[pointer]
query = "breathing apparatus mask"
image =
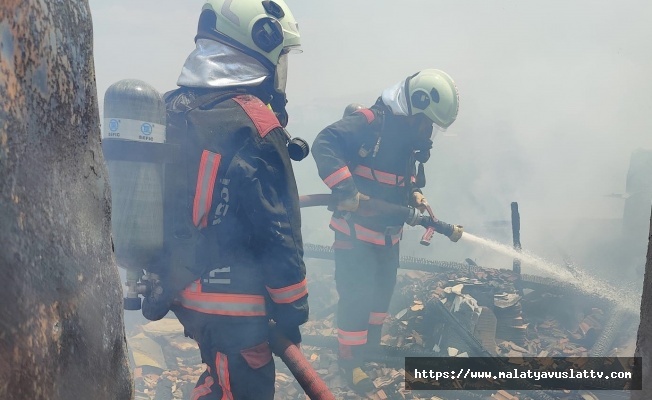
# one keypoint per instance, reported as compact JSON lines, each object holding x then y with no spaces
{"x":298,"y":148}
{"x":421,"y":133}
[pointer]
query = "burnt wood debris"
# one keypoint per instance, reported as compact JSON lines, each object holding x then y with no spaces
{"x":434,"y":312}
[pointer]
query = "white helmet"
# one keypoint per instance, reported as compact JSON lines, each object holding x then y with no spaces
{"x":432,"y":92}
{"x":264,"y":29}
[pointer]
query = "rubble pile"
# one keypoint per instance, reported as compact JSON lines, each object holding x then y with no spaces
{"x":493,"y":314}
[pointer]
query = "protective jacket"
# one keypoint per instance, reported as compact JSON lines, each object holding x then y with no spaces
{"x":367,"y":152}
{"x":241,"y":196}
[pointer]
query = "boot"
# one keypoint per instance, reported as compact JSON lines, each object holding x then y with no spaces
{"x":351,"y":365}
{"x":373,"y":339}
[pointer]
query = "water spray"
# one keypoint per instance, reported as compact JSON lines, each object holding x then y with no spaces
{"x":580,"y":279}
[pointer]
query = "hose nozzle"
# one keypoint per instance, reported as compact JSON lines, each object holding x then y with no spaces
{"x":458,"y":230}
{"x":432,"y":225}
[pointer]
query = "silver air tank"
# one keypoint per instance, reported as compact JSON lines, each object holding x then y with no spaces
{"x":133,"y":142}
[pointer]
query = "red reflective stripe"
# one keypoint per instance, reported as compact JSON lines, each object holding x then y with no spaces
{"x":361,"y":233}
{"x":203,"y":389}
{"x":337,"y":177}
{"x":208,"y":166}
{"x":262,"y":117}
{"x":377,"y":318}
{"x":340,"y":225}
{"x":290,"y":293}
{"x":413,"y":179}
{"x":351,"y":338}
{"x":240,"y":305}
{"x":379,"y":176}
{"x":367,"y":235}
{"x":222,"y":366}
{"x":367,"y":113}
{"x":363,"y":171}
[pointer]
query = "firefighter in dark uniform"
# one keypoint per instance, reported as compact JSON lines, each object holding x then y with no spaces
{"x":373,"y":152}
{"x":241,"y":194}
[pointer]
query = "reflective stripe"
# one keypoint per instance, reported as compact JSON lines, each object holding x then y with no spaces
{"x":208,"y":166}
{"x":222,"y":366}
{"x":221,"y":281}
{"x":364,"y":234}
{"x":337,"y":177}
{"x":242,"y":305}
{"x":288,"y":294}
{"x":352,"y":338}
{"x":367,"y":114}
{"x":340,"y":225}
{"x":379,"y":176}
{"x":369,"y":236}
{"x":377,"y":318}
{"x":203,"y":389}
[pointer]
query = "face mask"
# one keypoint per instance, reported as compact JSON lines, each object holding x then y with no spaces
{"x":281,"y":74}
{"x":421,"y":131}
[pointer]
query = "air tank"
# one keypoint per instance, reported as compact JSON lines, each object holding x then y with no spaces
{"x":134,"y":146}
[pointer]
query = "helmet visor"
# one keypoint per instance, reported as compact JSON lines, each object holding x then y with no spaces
{"x":437,"y":129}
{"x":281,"y":74}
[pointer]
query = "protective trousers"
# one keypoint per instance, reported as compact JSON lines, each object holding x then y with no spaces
{"x":365,"y":276}
{"x":239,"y":362}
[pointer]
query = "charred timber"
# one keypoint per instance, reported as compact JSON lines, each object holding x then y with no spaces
{"x":62,"y":329}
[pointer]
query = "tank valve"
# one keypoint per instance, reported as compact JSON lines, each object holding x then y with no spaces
{"x":136,"y":286}
{"x":298,"y":148}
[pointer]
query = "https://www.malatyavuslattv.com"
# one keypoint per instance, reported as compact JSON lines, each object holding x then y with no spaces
{"x":606,"y":373}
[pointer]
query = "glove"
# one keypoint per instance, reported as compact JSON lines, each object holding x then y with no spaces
{"x":457,"y":233}
{"x":352,"y":203}
{"x":158,"y":299}
{"x":156,"y":305}
{"x":291,"y":332}
{"x":419,"y":201}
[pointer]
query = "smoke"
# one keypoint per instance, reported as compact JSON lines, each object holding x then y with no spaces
{"x":554,"y":100}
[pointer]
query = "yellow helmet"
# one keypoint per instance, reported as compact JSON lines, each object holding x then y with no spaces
{"x":432,"y":92}
{"x":262,"y":29}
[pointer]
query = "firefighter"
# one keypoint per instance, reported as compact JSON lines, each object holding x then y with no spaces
{"x":373,"y":152}
{"x":241,"y":194}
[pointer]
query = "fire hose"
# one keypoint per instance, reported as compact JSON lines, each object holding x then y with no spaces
{"x":410,"y":215}
{"x":304,"y":373}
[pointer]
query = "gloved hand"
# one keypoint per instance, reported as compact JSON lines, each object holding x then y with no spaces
{"x":292,"y":333}
{"x":352,"y":203}
{"x":457,"y":233}
{"x":156,"y":305}
{"x":419,"y":201}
